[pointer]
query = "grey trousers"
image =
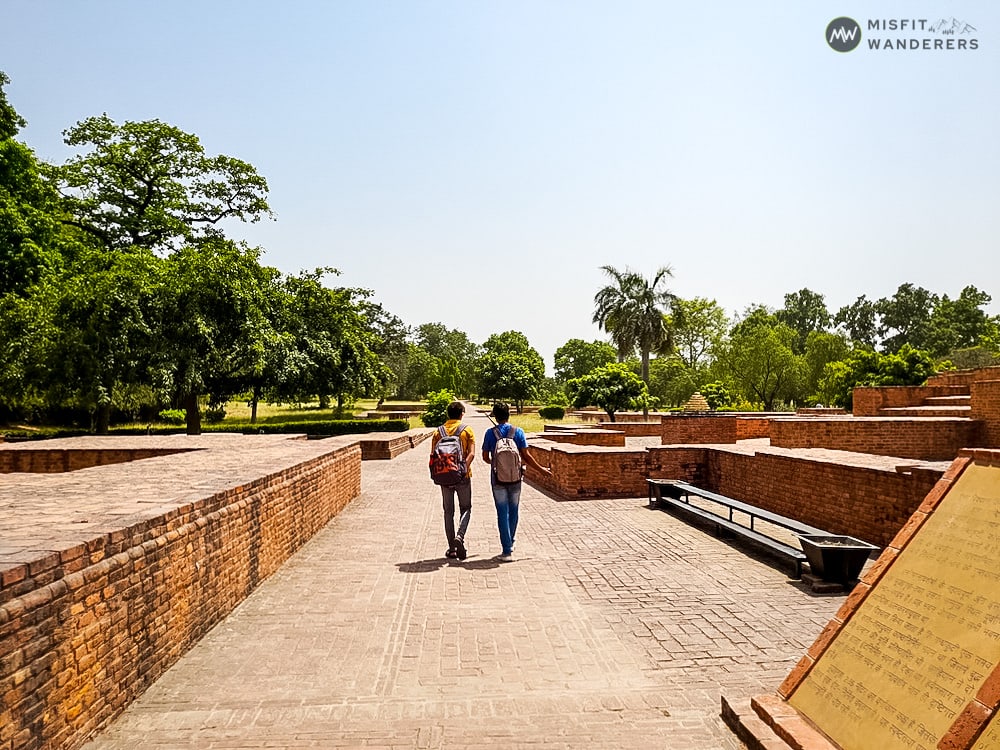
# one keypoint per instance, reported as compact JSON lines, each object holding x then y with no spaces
{"x":464,"y":492}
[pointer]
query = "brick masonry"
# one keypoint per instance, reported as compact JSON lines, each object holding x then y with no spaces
{"x":928,"y":439}
{"x":90,"y":616}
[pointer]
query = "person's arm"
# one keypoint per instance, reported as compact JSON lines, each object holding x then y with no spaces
{"x":526,"y":456}
{"x":469,"y":448}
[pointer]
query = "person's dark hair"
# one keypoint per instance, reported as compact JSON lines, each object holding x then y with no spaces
{"x":501,"y":412}
{"x":455,"y":410}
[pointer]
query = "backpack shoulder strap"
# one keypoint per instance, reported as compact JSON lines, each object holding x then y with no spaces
{"x":442,"y":431}
{"x":460,"y":430}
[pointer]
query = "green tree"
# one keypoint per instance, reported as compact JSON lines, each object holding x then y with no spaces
{"x":391,"y":343}
{"x":698,"y":326}
{"x":960,"y":323}
{"x":29,"y":226}
{"x":864,"y":367}
{"x":577,"y":357}
{"x":860,"y":320}
{"x":804,"y":312}
{"x":907,"y":317}
{"x":671,"y":380}
{"x":100,"y":328}
{"x":613,"y":388}
{"x":822,"y":348}
{"x":211,"y":312}
{"x":456,"y":356}
{"x":633,"y":310}
{"x":760,"y":360}
{"x":151,"y":185}
{"x":510,"y":368}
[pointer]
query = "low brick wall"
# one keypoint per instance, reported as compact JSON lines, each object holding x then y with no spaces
{"x":684,"y":429}
{"x":748,"y":428}
{"x":35,"y":458}
{"x":986,"y":409}
{"x":868,"y":401}
{"x":931,"y":439}
{"x":387,"y":445}
{"x":589,"y":472}
{"x":585,"y":436}
{"x":861,"y":501}
{"x":85,"y":629}
{"x":634,"y":429}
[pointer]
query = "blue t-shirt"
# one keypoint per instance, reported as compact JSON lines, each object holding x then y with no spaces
{"x":490,"y":438}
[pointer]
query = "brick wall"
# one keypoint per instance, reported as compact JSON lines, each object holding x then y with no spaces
{"x":869,"y":400}
{"x":863,"y":502}
{"x":21,"y":458}
{"x":753,"y":427}
{"x":681,"y":429}
{"x":986,"y":408}
{"x":84,"y":631}
{"x":377,"y":446}
{"x":580,"y":472}
{"x":858,"y":500}
{"x":609,"y":438}
{"x":634,"y":429}
{"x":937,"y":439}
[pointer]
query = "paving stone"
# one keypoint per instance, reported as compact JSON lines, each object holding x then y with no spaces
{"x":616,"y":626}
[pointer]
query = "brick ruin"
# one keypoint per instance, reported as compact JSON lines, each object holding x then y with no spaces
{"x":102,"y":534}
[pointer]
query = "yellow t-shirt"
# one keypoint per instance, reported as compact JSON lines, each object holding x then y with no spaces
{"x":467,"y":438}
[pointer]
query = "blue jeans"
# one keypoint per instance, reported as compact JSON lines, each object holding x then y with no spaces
{"x":507,"y":497}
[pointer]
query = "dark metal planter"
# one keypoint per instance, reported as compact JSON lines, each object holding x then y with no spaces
{"x":838,"y":559}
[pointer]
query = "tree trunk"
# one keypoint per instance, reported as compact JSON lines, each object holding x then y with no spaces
{"x":324,"y":401}
{"x":193,"y":415}
{"x":611,"y":416}
{"x":103,"y":418}
{"x":254,"y":398}
{"x":645,"y":379}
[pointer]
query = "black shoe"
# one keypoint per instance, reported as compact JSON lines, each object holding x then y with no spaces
{"x":451,"y":554}
{"x":460,"y":549}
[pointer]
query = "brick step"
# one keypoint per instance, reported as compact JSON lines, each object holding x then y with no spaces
{"x":948,"y":400}
{"x":926,"y":411}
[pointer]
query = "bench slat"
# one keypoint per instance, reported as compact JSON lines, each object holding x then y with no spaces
{"x":751,"y":510}
{"x":796,"y":556}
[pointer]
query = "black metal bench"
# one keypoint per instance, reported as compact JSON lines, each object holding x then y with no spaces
{"x":674,"y":495}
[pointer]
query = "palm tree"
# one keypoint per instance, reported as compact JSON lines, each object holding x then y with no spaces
{"x":632,"y":311}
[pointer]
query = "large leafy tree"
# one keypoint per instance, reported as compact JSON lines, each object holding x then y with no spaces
{"x":577,"y":357}
{"x":804,"y":312}
{"x":613,"y":388}
{"x":906,"y":317}
{"x":455,"y":354}
{"x":29,"y":226}
{"x":859,"y":321}
{"x":822,"y":348}
{"x":632,"y":309}
{"x":390,"y":343}
{"x":510,"y":368}
{"x":212,"y":307}
{"x":98,"y":328}
{"x":334,"y":344}
{"x":864,"y":367}
{"x":959,"y":323}
{"x":151,"y":185}
{"x":698,"y":326}
{"x":760,"y":360}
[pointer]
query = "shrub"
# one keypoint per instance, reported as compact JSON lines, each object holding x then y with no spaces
{"x":173,"y":416}
{"x":437,"y":408}
{"x":215,"y":416}
{"x":552,"y":411}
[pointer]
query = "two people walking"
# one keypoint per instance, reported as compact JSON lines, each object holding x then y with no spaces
{"x":505,"y":450}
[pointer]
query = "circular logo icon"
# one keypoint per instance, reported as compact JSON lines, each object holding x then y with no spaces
{"x":843,"y":34}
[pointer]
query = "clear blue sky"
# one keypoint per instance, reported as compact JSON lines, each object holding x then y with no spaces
{"x":475,"y":163}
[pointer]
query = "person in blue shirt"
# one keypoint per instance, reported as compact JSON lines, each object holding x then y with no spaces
{"x":507,"y":495}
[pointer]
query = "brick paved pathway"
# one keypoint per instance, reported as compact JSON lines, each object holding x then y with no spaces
{"x":616,"y":626}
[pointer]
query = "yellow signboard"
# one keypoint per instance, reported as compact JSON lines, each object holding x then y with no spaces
{"x":922,"y":643}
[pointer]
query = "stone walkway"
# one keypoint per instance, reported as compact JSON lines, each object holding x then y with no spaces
{"x":616,"y":626}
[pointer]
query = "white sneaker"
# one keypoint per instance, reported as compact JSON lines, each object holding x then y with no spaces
{"x":504,"y":558}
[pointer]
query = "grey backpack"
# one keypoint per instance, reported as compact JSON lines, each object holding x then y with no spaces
{"x":507,"y":467}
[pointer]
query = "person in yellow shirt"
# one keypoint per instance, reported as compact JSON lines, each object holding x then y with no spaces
{"x":462,"y":490}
